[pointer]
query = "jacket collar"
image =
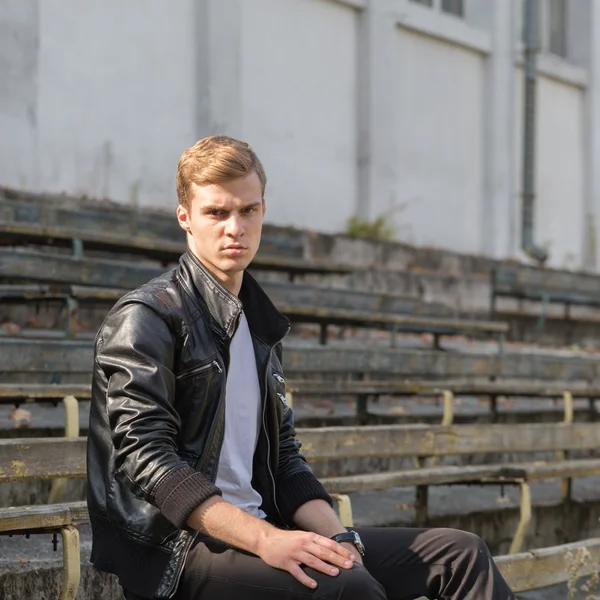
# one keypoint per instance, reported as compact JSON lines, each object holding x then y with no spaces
{"x":264,"y":320}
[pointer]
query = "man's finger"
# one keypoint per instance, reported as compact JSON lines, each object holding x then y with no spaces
{"x":331,"y":556}
{"x":310,"y":560}
{"x":323,"y":541}
{"x":335,"y":547}
{"x":302,"y":577}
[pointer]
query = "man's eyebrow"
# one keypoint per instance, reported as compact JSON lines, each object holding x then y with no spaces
{"x":210,"y":207}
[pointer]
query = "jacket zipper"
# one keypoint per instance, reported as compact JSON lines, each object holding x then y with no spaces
{"x":211,"y":433}
{"x":281,"y":380}
{"x":200,"y":369}
{"x":268,"y":440}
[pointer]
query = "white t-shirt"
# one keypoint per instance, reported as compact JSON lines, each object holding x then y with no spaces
{"x":242,"y":424}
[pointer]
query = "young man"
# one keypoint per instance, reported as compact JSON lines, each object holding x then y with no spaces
{"x":197,"y":489}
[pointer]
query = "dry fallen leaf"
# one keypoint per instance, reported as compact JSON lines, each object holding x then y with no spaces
{"x":399,"y":410}
{"x":11,"y":328}
{"x":21,"y":417}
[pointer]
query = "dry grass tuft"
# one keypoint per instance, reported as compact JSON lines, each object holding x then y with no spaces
{"x":575,"y":566}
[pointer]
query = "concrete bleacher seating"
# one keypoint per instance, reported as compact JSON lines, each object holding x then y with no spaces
{"x":437,"y":442}
{"x":65,"y":277}
{"x":30,"y":365}
{"x":534,"y":571}
{"x":447,"y":390}
{"x":89,"y":256}
{"x":31,"y":219}
{"x":59,"y":458}
{"x":545,"y":285}
{"x":28,"y":459}
{"x":122,"y":232}
{"x":35,"y":361}
{"x":105,"y":225}
{"x":539,"y":294}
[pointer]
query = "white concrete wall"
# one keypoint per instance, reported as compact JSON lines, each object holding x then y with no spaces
{"x":560,"y":174}
{"x":298,"y":89}
{"x":354,"y":106}
{"x":440,"y":164}
{"x":559,"y":177}
{"x":18,"y":92}
{"x":113,"y":103}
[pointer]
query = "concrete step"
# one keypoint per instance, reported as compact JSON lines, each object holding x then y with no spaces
{"x":45,"y":419}
{"x":30,"y":568}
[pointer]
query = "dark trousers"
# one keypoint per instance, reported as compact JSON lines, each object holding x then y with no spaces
{"x":401,"y":563}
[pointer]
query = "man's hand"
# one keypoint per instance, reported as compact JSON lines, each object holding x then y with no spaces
{"x":317,"y":515}
{"x":352,"y":548}
{"x":287,"y":550}
{"x":281,"y":549}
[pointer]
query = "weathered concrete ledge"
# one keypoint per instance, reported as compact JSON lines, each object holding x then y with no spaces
{"x":415,"y":363}
{"x":552,"y":524}
{"x":40,"y":580}
{"x":31,"y":358}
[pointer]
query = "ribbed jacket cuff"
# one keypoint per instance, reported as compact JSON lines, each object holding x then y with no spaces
{"x":296,"y":491}
{"x":180,"y":492}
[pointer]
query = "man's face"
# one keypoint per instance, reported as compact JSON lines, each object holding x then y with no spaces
{"x":224,"y":224}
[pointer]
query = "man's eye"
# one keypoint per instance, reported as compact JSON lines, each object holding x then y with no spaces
{"x":249,"y":209}
{"x":216,"y":213}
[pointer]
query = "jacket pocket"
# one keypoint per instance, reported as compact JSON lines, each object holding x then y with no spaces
{"x":199,"y":370}
{"x":197,"y":398}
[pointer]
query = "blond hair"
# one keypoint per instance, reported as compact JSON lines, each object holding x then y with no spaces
{"x":216,"y":159}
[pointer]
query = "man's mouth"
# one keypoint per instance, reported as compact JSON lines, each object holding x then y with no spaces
{"x":234,"y":249}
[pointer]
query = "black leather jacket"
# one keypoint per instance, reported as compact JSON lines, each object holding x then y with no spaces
{"x":157,"y":422}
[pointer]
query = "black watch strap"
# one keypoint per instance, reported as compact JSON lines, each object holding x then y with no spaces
{"x":352,"y":538}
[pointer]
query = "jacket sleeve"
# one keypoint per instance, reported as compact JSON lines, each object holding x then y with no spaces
{"x":135,"y":352}
{"x":295,"y":482}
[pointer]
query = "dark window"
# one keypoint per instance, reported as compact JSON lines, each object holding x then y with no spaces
{"x":557,"y":26}
{"x":551,"y":21}
{"x":454,"y":7}
{"x":539,"y":21}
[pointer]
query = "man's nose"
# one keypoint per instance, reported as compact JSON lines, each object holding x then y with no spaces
{"x":234,"y":226}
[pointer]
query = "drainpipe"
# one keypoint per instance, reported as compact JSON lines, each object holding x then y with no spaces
{"x":528,"y":198}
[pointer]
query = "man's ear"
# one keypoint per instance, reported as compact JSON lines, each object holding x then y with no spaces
{"x":264,"y":207}
{"x":183,"y":218}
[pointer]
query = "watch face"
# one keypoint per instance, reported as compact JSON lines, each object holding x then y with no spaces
{"x":358,"y":543}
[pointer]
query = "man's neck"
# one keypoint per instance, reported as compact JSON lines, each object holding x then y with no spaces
{"x":231,"y":282}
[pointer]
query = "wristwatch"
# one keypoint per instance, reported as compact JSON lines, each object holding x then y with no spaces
{"x":353,"y":538}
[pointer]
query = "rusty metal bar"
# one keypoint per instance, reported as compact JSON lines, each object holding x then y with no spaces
{"x":421,"y":505}
{"x":524,"y":519}
{"x":71,"y":563}
{"x":71,"y":405}
{"x":566,"y":485}
{"x":448,"y":416}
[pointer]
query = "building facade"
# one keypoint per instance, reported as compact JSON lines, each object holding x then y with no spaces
{"x":412,"y":109}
